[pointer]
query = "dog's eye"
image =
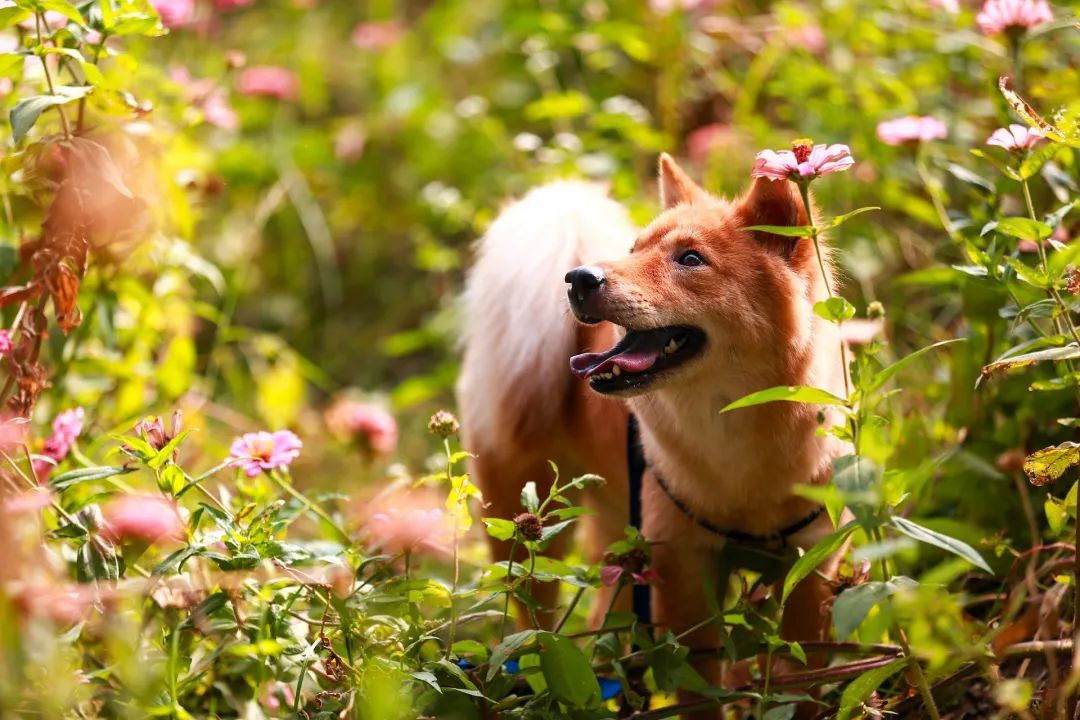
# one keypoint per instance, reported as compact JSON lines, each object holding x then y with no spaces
{"x":691,"y":258}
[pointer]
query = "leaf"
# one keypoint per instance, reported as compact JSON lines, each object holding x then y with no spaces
{"x":1027,"y":113}
{"x":813,"y":558}
{"x":166,"y":452}
{"x":1030,"y":275}
{"x":787,"y":393}
{"x":499,"y":528}
{"x":964,"y":175}
{"x":503,"y":651}
{"x":1035,"y":160}
{"x":884,"y":375}
{"x":841,"y":219}
{"x":835,"y":309}
{"x":1068,"y":352}
{"x":568,"y":673}
{"x":73,"y":477}
{"x":854,"y":474}
{"x":64,"y":8}
{"x":957,"y":547}
{"x":852,"y":605}
{"x":29,"y":109}
{"x":796,"y":231}
{"x":1047,"y":465}
{"x":1023,"y":228}
{"x":529,"y":499}
{"x":862,"y":687}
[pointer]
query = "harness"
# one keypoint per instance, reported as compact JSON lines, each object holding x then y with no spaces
{"x":637,"y":465}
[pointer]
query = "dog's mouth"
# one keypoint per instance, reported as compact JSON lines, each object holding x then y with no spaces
{"x":639,"y":358}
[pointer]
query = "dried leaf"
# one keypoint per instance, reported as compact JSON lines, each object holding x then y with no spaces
{"x":1047,"y":465}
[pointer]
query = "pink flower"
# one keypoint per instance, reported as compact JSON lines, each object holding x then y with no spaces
{"x":29,"y":502}
{"x":701,"y":142}
{"x":912,"y":128}
{"x":269,"y":81}
{"x":949,"y":6}
{"x":277,"y":696}
{"x":664,"y":7}
{"x":1000,"y":15}
{"x":228,"y":5}
{"x":258,"y":451}
{"x":217,"y":111}
{"x":372,"y":426}
{"x":803,"y":162}
{"x":142,"y":517}
{"x":808,"y":36}
{"x":66,"y":428}
{"x":175,"y":13}
{"x":5,"y":343}
{"x":349,"y":142}
{"x":611,"y":574}
{"x":1015,"y":137}
{"x":409,"y":526}
{"x":377,"y":35}
{"x":858,"y":331}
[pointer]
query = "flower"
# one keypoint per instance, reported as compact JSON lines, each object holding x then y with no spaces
{"x":1001,"y":15}
{"x":277,"y":696}
{"x":217,"y":111}
{"x":142,"y":517}
{"x":228,"y":5}
{"x":443,"y":424}
{"x":529,"y":526}
{"x":258,"y":451}
{"x":175,"y":13}
{"x":5,"y":343}
{"x":409,"y":525}
{"x":66,"y":428}
{"x":1015,"y":137}
{"x":808,"y":36}
{"x":913,"y":128}
{"x":804,"y":161}
{"x":373,"y":427}
{"x":702,"y":142}
{"x":633,"y":563}
{"x":269,"y":81}
{"x":152,"y":429}
{"x":376,"y":35}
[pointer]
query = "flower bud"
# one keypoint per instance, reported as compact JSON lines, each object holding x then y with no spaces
{"x":529,"y":526}
{"x":443,"y":424}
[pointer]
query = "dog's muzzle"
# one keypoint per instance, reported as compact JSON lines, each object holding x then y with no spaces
{"x":585,"y":285}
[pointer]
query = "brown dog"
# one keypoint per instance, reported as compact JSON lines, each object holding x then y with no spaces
{"x":699,"y":313}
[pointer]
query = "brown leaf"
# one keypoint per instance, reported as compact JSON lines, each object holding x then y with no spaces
{"x":1047,"y":465}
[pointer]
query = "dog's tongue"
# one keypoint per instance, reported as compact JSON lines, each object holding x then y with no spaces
{"x":636,"y":353}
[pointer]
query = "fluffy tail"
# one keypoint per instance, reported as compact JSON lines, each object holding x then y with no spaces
{"x":519,"y":334}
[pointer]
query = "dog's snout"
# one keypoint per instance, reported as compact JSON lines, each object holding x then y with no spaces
{"x":585,"y":279}
{"x":584,"y":282}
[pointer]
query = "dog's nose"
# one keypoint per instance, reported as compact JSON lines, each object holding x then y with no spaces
{"x":584,"y":282}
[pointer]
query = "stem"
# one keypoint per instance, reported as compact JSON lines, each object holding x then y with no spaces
{"x":308,"y":505}
{"x":804,"y":190}
{"x":920,"y":676}
{"x":569,"y":609}
{"x":1054,"y":294}
{"x":457,"y":565}
{"x":48,"y":76}
{"x":509,"y":589}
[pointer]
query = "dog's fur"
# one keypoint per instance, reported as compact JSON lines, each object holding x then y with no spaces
{"x":753,"y":299}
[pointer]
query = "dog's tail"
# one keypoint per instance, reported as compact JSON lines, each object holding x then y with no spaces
{"x":519,"y":334}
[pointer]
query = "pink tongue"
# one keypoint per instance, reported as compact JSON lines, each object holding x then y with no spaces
{"x":588,"y":364}
{"x":636,"y":361}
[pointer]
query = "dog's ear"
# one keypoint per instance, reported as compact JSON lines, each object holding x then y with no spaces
{"x":676,"y":187}
{"x":776,"y":202}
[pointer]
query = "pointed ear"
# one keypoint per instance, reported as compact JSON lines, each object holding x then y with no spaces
{"x":775,"y":202}
{"x":676,"y":187}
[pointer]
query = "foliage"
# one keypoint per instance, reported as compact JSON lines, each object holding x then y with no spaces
{"x":258,"y":214}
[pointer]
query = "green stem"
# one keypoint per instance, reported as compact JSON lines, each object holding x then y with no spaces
{"x":457,"y":565}
{"x":804,"y":190}
{"x":920,"y":676}
{"x":48,"y":75}
{"x":308,"y":505}
{"x":509,"y":590}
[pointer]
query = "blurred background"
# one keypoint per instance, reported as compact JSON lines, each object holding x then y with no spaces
{"x":309,"y":177}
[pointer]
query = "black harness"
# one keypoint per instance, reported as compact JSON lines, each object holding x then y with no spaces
{"x":637,"y":465}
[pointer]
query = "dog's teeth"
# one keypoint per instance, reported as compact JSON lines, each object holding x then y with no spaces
{"x":671,"y":347}
{"x":616,"y":371}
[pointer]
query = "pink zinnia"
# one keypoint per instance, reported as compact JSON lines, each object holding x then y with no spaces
{"x":376,"y":35}
{"x":142,"y":517}
{"x":803,"y":162}
{"x":372,"y":426}
{"x":1000,"y":15}
{"x":1015,"y":137}
{"x":5,"y":343}
{"x":66,"y":428}
{"x":913,"y":128}
{"x":269,"y":81}
{"x":258,"y":451}
{"x":409,"y":527}
{"x":217,"y":111}
{"x":175,"y":13}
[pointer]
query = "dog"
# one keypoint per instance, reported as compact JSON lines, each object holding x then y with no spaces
{"x":672,"y":323}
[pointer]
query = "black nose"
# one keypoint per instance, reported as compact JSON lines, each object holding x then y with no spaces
{"x":584,"y":281}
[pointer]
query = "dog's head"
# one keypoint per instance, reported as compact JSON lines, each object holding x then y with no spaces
{"x":700,"y":292}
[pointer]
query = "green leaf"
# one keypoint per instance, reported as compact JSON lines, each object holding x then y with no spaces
{"x":1068,"y":352}
{"x":796,"y":231}
{"x":787,"y":393}
{"x":1047,"y":465}
{"x":504,"y":650}
{"x":27,"y":111}
{"x":1023,"y":228}
{"x":835,"y":309}
{"x":852,"y":605}
{"x":64,"y":8}
{"x":813,"y":558}
{"x":1030,"y":275}
{"x":166,"y":452}
{"x":1002,"y":167}
{"x":172,"y":480}
{"x":529,"y":499}
{"x":1033,"y":163}
{"x":74,"y":477}
{"x":568,"y":672}
{"x":841,"y":219}
{"x":884,"y":375}
{"x":499,"y":528}
{"x":862,"y":687}
{"x":957,"y":547}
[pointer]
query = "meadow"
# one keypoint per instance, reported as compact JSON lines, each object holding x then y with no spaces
{"x":233,"y":235}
